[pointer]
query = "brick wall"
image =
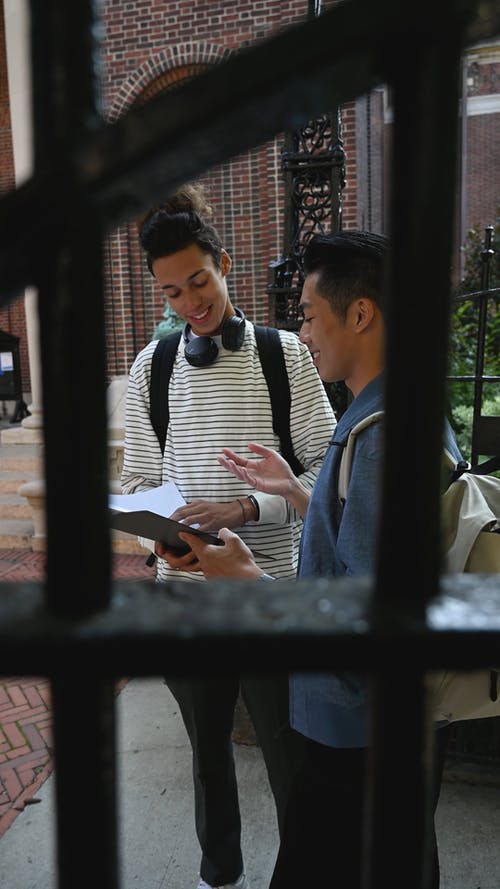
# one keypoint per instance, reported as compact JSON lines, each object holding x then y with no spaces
{"x":7,"y":164}
{"x":482,"y":195}
{"x":150,"y":46}
{"x":483,"y":169}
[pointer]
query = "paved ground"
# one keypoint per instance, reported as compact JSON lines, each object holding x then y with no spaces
{"x":158,"y":847}
{"x":25,"y":718}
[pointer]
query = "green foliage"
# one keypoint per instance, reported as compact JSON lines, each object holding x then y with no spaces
{"x":171,"y":323}
{"x":339,"y":397}
{"x":461,"y":420}
{"x":464,"y":335}
{"x":473,"y":247}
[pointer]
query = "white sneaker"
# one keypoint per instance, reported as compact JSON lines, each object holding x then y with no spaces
{"x":241,"y":883}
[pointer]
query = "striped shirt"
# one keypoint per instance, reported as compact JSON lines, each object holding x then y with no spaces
{"x":227,"y":404}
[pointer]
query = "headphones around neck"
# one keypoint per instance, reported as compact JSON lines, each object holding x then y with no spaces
{"x":203,"y":350}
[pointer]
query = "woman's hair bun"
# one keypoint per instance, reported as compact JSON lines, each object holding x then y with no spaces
{"x":188,"y":198}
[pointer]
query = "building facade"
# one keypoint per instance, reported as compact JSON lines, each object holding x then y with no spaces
{"x":148,"y":46}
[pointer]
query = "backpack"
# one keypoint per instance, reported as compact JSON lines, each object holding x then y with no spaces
{"x":275,"y":373}
{"x":470,"y":516}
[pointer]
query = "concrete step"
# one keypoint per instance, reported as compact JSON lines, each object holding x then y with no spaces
{"x":12,"y":506}
{"x":16,"y":534}
{"x":20,"y":463}
{"x":12,"y":479}
{"x":21,"y":458}
{"x":126,"y":543}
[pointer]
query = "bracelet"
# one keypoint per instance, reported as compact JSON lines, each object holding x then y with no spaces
{"x":242,"y":510}
{"x":256,"y":506}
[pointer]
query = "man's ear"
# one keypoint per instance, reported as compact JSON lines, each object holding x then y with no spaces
{"x":225,"y":262}
{"x":364,"y":312}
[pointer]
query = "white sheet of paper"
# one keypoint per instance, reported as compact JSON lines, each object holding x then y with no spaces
{"x":163,"y":500}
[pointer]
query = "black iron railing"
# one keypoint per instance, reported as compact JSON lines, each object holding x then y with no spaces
{"x":484,"y":310}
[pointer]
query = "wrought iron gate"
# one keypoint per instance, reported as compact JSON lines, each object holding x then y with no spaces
{"x":478,"y":741}
{"x":483,"y":371}
{"x":84,"y":632}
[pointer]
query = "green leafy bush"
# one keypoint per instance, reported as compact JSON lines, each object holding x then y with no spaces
{"x":464,"y":336}
{"x":461,"y":419}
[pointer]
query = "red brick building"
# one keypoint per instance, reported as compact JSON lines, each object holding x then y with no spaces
{"x":153,"y":45}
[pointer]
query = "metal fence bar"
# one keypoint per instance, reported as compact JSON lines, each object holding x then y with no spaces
{"x":87,"y":817}
{"x":425,"y":81}
{"x":89,"y":177}
{"x":68,"y":275}
{"x":303,"y":625}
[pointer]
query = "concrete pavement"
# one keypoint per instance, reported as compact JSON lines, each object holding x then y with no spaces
{"x":159,"y":849}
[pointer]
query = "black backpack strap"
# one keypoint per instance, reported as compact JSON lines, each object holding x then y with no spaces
{"x":162,"y":363}
{"x":276,"y":375}
{"x":491,"y":465}
{"x":274,"y":370}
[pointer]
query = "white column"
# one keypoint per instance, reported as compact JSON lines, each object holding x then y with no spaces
{"x":17,"y":24}
{"x":35,"y":420}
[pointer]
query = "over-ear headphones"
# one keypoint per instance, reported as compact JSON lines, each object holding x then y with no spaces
{"x":203,"y":350}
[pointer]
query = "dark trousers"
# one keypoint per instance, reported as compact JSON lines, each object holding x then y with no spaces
{"x":322,"y":839}
{"x":207,"y":708}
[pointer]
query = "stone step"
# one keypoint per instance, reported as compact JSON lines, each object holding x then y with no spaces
{"x":20,"y":463}
{"x":16,"y":534}
{"x":127,"y":543}
{"x":24,"y":458}
{"x":12,"y":506}
{"x":12,"y":479}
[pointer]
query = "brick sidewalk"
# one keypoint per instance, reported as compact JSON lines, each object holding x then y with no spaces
{"x":25,"y":716}
{"x":23,"y":564}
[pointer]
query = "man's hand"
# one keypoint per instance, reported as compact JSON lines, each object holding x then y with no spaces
{"x":185,"y":562}
{"x":271,"y":474}
{"x":234,"y":559}
{"x":209,"y":516}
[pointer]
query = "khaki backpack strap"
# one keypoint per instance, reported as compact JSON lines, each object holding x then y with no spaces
{"x":348,"y":450}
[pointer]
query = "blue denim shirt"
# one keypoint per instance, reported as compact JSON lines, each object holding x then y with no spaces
{"x":336,"y":542}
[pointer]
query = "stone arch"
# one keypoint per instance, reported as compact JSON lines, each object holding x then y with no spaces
{"x":239,"y":192}
{"x":164,"y":70}
{"x":132,"y":302}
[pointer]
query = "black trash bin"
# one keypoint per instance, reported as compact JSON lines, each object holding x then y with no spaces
{"x":10,"y":375}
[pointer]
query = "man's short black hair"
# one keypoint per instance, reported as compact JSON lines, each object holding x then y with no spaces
{"x":348,"y":264}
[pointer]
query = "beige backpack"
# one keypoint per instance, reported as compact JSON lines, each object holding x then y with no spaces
{"x":470,"y":516}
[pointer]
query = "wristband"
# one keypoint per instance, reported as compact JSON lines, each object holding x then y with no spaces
{"x":242,"y":510}
{"x":256,"y":506}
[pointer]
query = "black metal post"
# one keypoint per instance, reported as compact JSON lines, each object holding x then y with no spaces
{"x":487,"y":254}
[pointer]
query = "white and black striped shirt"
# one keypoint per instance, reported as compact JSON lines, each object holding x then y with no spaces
{"x":227,"y":404}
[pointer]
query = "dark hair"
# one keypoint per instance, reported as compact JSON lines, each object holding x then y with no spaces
{"x":176,"y":223}
{"x":349,"y":264}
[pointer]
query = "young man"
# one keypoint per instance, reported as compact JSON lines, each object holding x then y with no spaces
{"x":217,"y":396}
{"x":343,"y":327}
